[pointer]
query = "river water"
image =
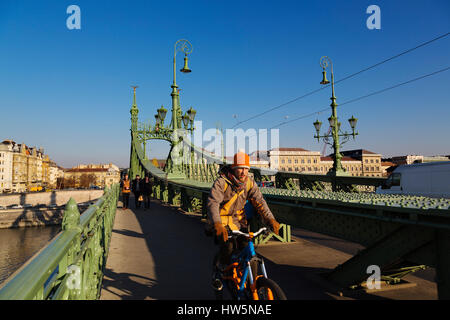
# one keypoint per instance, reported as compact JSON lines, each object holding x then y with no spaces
{"x":17,"y":245}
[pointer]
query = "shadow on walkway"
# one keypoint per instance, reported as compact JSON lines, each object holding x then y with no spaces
{"x":177,"y":264}
{"x":125,"y":286}
{"x":181,"y":259}
{"x":304,"y":283}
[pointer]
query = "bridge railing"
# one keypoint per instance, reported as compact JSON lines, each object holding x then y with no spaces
{"x":72,"y":265}
{"x":401,"y":234}
{"x":318,"y":182}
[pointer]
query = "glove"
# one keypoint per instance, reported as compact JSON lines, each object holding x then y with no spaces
{"x":275,"y":226}
{"x":221,"y":232}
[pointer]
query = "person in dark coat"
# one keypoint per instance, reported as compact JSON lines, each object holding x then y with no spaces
{"x":147,"y":191}
{"x":137,"y":190}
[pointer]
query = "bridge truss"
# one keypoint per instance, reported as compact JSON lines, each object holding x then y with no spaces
{"x":401,"y":234}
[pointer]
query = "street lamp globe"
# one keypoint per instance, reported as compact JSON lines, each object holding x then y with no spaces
{"x":191,"y":113}
{"x":185,"y":120}
{"x":324,"y":77}
{"x":317,"y":125}
{"x":158,"y":119}
{"x":185,"y":68}
{"x":352,"y":122}
{"x":331,"y":120}
{"x":162,"y":113}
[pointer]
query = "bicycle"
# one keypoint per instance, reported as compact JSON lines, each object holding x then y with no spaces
{"x":242,"y":277}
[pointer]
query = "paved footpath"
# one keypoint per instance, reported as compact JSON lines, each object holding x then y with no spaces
{"x":163,"y":253}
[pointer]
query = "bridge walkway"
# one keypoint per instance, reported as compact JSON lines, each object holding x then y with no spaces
{"x":162,"y":253}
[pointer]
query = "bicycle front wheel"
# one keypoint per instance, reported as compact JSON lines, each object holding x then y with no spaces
{"x":268,"y":289}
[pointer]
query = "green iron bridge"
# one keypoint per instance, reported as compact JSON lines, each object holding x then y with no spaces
{"x":400,"y":234}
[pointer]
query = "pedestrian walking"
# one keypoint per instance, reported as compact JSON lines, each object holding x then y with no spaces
{"x":137,"y":190}
{"x":126,"y":189}
{"x":147,"y":191}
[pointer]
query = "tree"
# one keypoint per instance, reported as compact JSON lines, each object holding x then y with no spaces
{"x":86,"y":180}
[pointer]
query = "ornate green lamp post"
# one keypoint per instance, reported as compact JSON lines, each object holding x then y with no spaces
{"x":185,"y":47}
{"x":335,"y":125}
{"x":160,"y":131}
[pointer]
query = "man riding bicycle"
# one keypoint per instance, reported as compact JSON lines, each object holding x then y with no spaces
{"x":226,"y":202}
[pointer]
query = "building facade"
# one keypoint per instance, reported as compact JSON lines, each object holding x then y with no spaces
{"x":370,"y":163}
{"x":294,"y":160}
{"x":259,"y":159}
{"x":356,"y":162}
{"x":84,"y":176}
{"x":6,"y":165}
{"x":23,"y":168}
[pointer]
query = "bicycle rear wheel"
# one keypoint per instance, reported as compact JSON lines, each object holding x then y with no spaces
{"x":268,"y":289}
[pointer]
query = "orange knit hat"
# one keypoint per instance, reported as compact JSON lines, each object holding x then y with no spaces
{"x":241,"y":160}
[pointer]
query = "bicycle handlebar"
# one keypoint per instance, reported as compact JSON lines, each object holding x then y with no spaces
{"x":255,"y":234}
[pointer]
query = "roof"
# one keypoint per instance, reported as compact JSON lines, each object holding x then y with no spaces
{"x":387,"y":164}
{"x":289,"y":149}
{"x":358,"y":151}
{"x":328,"y":158}
{"x":87,"y":170}
{"x":259,"y":156}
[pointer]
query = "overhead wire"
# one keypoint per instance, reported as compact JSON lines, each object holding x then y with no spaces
{"x":358,"y":98}
{"x":364,"y":96}
{"x":343,"y":79}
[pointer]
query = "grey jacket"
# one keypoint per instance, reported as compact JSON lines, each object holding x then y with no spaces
{"x":225,"y":205}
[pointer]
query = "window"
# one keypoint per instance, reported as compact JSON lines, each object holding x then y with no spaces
{"x":309,"y":160}
{"x":303,"y":160}
{"x":371,"y":160}
{"x":296,"y":161}
{"x":282,"y":161}
{"x":366,"y":161}
{"x":393,"y":180}
{"x":289,"y":161}
{"x":396,"y":177}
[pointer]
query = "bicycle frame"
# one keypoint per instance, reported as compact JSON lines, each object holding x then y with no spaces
{"x":240,"y":270}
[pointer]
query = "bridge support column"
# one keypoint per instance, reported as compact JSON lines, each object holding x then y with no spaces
{"x":388,"y":252}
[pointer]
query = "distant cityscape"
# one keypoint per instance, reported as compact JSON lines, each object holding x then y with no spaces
{"x":359,"y":162}
{"x":29,"y":169}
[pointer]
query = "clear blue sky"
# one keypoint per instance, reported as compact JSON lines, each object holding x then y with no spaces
{"x":69,"y":90}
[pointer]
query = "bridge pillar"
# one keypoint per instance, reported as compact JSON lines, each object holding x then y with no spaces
{"x":385,"y":253}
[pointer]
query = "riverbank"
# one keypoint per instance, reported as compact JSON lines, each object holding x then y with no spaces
{"x":59,"y":197}
{"x":45,"y":215}
{"x":20,"y":218}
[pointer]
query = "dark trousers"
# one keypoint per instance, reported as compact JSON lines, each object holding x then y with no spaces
{"x":226,"y":248}
{"x":147,"y":198}
{"x":126,"y":199}
{"x":137,"y":203}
